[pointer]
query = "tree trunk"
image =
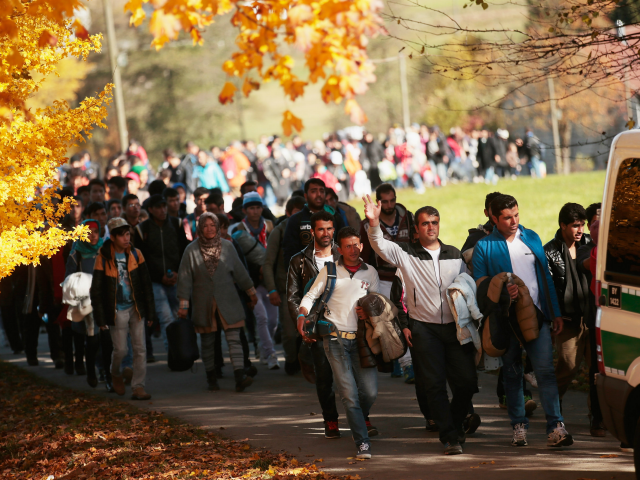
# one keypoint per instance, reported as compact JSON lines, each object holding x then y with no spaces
{"x":565,"y":142}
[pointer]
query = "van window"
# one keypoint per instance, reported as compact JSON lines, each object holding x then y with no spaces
{"x":623,"y":246}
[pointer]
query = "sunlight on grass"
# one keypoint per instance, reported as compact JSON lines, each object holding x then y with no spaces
{"x":461,"y":206}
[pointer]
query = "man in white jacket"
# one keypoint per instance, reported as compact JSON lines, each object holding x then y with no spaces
{"x":428,"y":268}
{"x":357,"y":386}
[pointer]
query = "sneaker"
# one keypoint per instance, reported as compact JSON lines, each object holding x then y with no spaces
{"x":531,"y":378}
{"x":118,"y":384}
{"x":519,"y":435}
{"x":127,"y":374}
{"x":431,"y":425}
{"x":331,"y":430}
{"x":272,"y":362}
{"x":371,"y":430}
{"x":529,"y":405}
{"x":502,"y":402}
{"x":471,"y":423}
{"x":364,"y":450}
{"x":452,"y":448}
{"x":140,"y":394}
{"x":627,"y":448}
{"x":291,"y":368}
{"x":559,"y":437}
{"x":409,"y":376}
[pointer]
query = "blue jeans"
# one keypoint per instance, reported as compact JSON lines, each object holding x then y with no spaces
{"x":166,"y":301}
{"x":535,"y":163}
{"x":357,"y":386}
{"x":540,"y":351}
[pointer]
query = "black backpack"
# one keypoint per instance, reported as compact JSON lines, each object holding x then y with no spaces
{"x":183,"y":345}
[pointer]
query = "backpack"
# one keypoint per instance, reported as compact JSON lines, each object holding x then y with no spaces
{"x":183,"y":345}
{"x":315,"y":323}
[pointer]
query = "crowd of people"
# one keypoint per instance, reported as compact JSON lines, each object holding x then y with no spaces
{"x":347,"y":297}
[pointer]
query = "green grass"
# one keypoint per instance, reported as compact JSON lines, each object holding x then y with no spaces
{"x":461,"y":206}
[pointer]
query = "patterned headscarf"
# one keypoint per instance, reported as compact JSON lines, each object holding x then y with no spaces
{"x":210,"y":249}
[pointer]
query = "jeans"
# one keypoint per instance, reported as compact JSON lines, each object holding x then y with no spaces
{"x":129,"y":322}
{"x":440,"y":170}
{"x":324,"y":381}
{"x":439,"y":358}
{"x":535,"y":163}
{"x":357,"y":386}
{"x":166,"y":300}
{"x":266,"y":322}
{"x":489,"y":175}
{"x":540,"y":351}
{"x":289,"y":332}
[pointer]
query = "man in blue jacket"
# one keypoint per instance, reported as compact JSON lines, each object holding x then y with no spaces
{"x":513,"y":248}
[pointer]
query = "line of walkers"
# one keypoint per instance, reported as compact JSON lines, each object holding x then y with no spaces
{"x":347,"y":299}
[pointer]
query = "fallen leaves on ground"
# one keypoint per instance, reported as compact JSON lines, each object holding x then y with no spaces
{"x":47,"y":431}
{"x":613,"y":455}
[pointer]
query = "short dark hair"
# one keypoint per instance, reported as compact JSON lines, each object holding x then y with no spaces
{"x":428,"y":211}
{"x":96,"y":181}
{"x":200,"y":191}
{"x":170,"y":193}
{"x":92,"y":208}
{"x":502,"y":202}
{"x":571,"y":212}
{"x":330,"y":192}
{"x":223,"y":219}
{"x":168,"y":153}
{"x":214,"y":199}
{"x":346,"y":232}
{"x":111,"y":202}
{"x":127,"y":198}
{"x":118,"y":232}
{"x":591,"y":210}
{"x":118,"y":181}
{"x":83,"y":189}
{"x":249,"y":183}
{"x":295,"y":203}
{"x":489,"y":198}
{"x":313,"y":181}
{"x":321,"y":216}
{"x":384,"y":188}
{"x":297,"y":193}
{"x":156,"y":187}
{"x":215,"y":191}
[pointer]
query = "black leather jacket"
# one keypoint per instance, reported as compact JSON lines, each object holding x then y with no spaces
{"x":555,"y":257}
{"x":302,"y":268}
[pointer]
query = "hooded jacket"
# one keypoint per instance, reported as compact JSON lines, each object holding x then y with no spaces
{"x":406,"y":227}
{"x":424,"y":295}
{"x":162,"y":246}
{"x":298,"y":232}
{"x":104,"y":286}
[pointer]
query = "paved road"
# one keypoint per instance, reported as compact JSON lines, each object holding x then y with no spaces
{"x":279,"y":412}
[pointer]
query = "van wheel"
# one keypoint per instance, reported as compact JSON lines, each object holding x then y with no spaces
{"x":636,"y":449}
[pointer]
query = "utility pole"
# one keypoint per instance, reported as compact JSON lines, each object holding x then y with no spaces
{"x":554,"y":125}
{"x":627,"y":89}
{"x":117,"y":79}
{"x":406,"y":118}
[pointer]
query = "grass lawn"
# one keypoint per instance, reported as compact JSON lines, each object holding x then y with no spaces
{"x":461,"y":206}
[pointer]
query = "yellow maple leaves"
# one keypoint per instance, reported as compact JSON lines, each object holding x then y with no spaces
{"x":331,"y":34}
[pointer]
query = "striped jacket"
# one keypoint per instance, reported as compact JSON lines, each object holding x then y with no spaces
{"x":426,"y":300}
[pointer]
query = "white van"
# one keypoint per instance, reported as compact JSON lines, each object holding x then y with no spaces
{"x":618,"y":294}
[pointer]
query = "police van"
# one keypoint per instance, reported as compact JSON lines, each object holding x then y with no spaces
{"x":618,"y":294}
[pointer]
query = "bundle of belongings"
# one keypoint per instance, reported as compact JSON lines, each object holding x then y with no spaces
{"x":461,"y":296}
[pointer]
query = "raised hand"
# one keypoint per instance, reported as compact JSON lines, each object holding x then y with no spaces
{"x":372,"y":211}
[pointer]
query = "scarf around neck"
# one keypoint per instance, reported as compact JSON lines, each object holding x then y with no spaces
{"x":85,"y":249}
{"x":259,"y":233}
{"x":210,"y":248}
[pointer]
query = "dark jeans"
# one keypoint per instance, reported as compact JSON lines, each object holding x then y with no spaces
{"x":439,"y":358}
{"x":30,"y":325}
{"x":324,"y":382}
{"x":12,"y":328}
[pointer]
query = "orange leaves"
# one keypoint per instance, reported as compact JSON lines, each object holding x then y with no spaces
{"x":332,"y":35}
{"x":227,"y":93}
{"x":354,"y":111}
{"x":289,"y":122}
{"x":47,"y":40}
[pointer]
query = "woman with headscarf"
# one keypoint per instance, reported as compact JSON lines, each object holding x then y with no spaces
{"x":82,"y":259}
{"x":209,"y":269}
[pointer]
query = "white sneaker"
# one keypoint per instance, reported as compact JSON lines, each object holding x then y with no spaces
{"x":531,"y":378}
{"x":519,"y":435}
{"x":272,"y":362}
{"x":559,"y":437}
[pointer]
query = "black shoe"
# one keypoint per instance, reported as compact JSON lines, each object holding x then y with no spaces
{"x":59,"y":364}
{"x":32,"y":361}
{"x":80,"y":370}
{"x":364,"y":451}
{"x":291,"y":368}
{"x":331,"y":429}
{"x":251,"y":371}
{"x":242,"y":381}
{"x":431,"y":426}
{"x":92,"y":380}
{"x":371,"y":430}
{"x":212,"y":381}
{"x":151,"y":359}
{"x":471,"y":423}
